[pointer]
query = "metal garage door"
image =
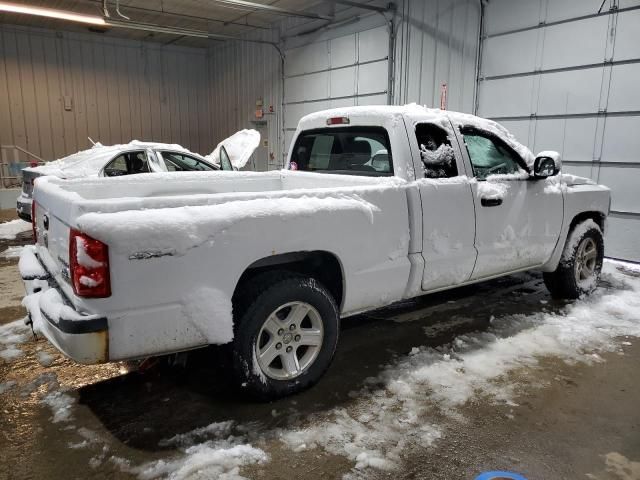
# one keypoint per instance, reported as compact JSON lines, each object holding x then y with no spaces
{"x":562,"y":76}
{"x":343,"y":70}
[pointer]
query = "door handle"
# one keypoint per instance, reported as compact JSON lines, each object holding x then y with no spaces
{"x":491,"y":202}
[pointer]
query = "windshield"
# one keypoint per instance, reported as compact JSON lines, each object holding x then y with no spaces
{"x":345,"y":150}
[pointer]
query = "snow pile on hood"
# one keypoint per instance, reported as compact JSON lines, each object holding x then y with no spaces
{"x":9,"y":230}
{"x":239,"y":146}
{"x":89,"y":162}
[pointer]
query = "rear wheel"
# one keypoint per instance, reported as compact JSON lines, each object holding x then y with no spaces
{"x":286,"y":335}
{"x":580,"y":265}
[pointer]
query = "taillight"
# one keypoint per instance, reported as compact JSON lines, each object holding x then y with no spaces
{"x":33,"y":221}
{"x":89,"y":265}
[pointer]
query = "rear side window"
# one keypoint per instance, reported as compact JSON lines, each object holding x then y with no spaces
{"x":438,"y":157}
{"x":177,"y":162}
{"x":344,"y":150}
{"x":128,"y":163}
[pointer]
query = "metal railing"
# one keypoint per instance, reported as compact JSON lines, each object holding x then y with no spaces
{"x":12,"y":163}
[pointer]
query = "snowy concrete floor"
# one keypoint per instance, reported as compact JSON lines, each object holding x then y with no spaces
{"x":382,"y":410}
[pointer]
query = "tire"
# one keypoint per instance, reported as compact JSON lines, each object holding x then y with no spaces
{"x":580,"y":265}
{"x":283,"y":315}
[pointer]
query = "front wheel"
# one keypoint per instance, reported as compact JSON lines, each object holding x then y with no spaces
{"x":286,"y":335}
{"x":580,"y":265}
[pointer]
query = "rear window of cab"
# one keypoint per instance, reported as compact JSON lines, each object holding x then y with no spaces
{"x":344,"y":150}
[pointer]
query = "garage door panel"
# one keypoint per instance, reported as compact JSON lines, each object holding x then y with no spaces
{"x":624,"y":94}
{"x":519,"y":129}
{"x":294,"y":61}
{"x":311,"y":107}
{"x":307,"y":59}
{"x":549,"y":135}
{"x":505,"y":15}
{"x":623,"y":181}
{"x":621,"y":238}
{"x":293,"y":113}
{"x":627,"y":36}
{"x":621,"y":140}
{"x":372,"y":77}
{"x":372,"y":100}
{"x":307,"y":87}
{"x":373,"y":44}
{"x":575,"y":43}
{"x":514,"y":53}
{"x":343,"y":82}
{"x":578,"y":138}
{"x":576,"y":91}
{"x":567,"y":9}
{"x":505,"y":97}
{"x":579,"y":170}
{"x":343,"y":51}
{"x":342,"y":102}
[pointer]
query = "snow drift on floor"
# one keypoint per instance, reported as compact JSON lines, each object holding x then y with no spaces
{"x":9,"y":230}
{"x":12,"y":252}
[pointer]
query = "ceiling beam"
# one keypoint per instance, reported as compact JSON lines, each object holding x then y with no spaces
{"x":185,"y":32}
{"x":252,"y":6}
{"x":366,"y":6}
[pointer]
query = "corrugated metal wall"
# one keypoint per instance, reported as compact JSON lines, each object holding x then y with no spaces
{"x":114,"y":91}
{"x":562,"y":76}
{"x":240,"y":74}
{"x":437,"y":42}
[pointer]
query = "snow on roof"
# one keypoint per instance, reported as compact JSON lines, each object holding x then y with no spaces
{"x":422,"y":113}
{"x":89,"y":162}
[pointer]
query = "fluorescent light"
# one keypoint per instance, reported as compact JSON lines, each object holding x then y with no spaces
{"x":51,"y":13}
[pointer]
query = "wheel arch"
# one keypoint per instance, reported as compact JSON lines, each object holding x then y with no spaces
{"x":595,"y":215}
{"x":322,"y":265}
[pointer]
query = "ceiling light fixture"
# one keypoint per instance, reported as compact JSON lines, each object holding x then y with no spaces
{"x":51,"y":13}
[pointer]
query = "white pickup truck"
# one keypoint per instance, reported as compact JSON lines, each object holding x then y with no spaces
{"x":377,"y":204}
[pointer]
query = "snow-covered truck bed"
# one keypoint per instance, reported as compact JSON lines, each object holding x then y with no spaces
{"x":377,"y":204}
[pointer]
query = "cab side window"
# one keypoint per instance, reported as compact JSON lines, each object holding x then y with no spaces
{"x":489,"y":155}
{"x":438,"y":157}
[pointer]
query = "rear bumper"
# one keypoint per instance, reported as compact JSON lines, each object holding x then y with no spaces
{"x":82,"y":337}
{"x":23,"y":207}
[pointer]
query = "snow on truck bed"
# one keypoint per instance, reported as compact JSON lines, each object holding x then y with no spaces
{"x":130,"y":211}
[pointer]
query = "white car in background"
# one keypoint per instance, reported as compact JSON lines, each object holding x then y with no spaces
{"x":138,"y":157}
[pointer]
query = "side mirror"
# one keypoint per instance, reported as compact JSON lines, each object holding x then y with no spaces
{"x":546,"y":164}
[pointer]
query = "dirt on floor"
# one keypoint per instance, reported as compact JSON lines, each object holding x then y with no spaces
{"x":61,"y":420}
